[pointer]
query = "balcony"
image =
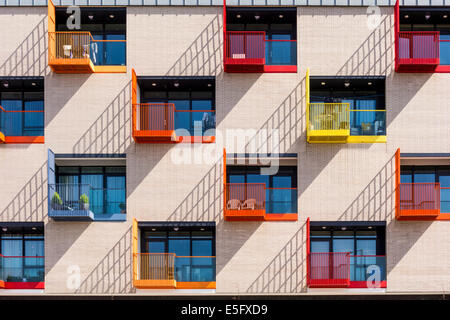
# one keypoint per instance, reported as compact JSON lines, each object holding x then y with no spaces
{"x":168,"y":271}
{"x":418,"y":200}
{"x":256,"y":202}
{"x":418,"y":51}
{"x":329,"y":270}
{"x":163,"y":123}
{"x":82,"y":202}
{"x":245,"y":201}
{"x":245,"y":51}
{"x":342,"y":270}
{"x":251,"y":52}
{"x":154,"y":122}
{"x":79,"y":52}
{"x":336,"y":123}
{"x":22,"y":272}
{"x":21,"y":126}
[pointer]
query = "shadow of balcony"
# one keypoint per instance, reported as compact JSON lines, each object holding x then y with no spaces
{"x":30,"y":203}
{"x":111,"y":131}
{"x":30,"y":57}
{"x":204,"y":56}
{"x":286,"y":273}
{"x":375,"y":56}
{"x":114,"y":273}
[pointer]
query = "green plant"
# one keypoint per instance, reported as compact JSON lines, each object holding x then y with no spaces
{"x":56,"y":199}
{"x":84,"y":198}
{"x":122,"y":206}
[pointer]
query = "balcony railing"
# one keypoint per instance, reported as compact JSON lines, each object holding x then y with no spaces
{"x":162,"y":122}
{"x":335,"y":122}
{"x":28,"y":123}
{"x":245,"y":47}
{"x":22,"y":269}
{"x":166,"y":270}
{"x":418,"y":48}
{"x":419,"y":200}
{"x":249,"y":51}
{"x":78,"y":52}
{"x":340,"y":269}
{"x":84,"y":202}
{"x":245,"y":201}
{"x":367,"y":122}
{"x":329,"y":269}
{"x":368,"y":267}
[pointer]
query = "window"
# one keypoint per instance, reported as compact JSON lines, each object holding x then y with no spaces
{"x":23,"y":102}
{"x":429,"y":19}
{"x":365,"y":99}
{"x":279,"y":26}
{"x":23,"y":254}
{"x":194,"y":101}
{"x":429,"y":174}
{"x":365,"y":245}
{"x":108,"y":29}
{"x":193,"y":247}
{"x":281,"y":188}
{"x":106,"y":187}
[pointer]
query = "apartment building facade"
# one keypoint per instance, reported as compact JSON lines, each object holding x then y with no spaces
{"x":239,"y":148}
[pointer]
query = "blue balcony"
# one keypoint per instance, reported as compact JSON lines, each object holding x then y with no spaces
{"x":365,"y":268}
{"x":82,"y":202}
{"x":281,"y":200}
{"x":281,"y":52}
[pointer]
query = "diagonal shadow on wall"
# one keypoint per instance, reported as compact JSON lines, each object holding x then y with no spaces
{"x":111,"y":131}
{"x":375,"y":56}
{"x":204,"y":56}
{"x":30,"y":203}
{"x":285,"y":273}
{"x":113,"y":275}
{"x":30,"y":57}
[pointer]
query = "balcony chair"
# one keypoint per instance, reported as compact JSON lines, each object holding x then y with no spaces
{"x":234,"y":204}
{"x":249,"y":204}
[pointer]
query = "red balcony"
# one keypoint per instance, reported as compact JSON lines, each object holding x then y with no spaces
{"x":329,"y":270}
{"x":244,"y":51}
{"x":245,"y":201}
{"x":417,"y":51}
{"x":419,"y":200}
{"x":154,"y":122}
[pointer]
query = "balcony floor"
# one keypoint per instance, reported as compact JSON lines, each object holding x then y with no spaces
{"x":155,"y":284}
{"x":74,"y":215}
{"x":154,"y":136}
{"x":245,"y":215}
{"x":72,"y":66}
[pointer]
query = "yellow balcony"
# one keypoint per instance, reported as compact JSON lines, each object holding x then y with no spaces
{"x":328,"y":122}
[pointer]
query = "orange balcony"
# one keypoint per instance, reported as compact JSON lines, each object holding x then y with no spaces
{"x":69,"y":52}
{"x":419,"y":200}
{"x":245,"y":201}
{"x":155,"y":271}
{"x":154,"y":122}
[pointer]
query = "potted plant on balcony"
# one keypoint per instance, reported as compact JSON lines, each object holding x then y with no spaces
{"x":122,"y":207}
{"x":84,"y":202}
{"x":56,"y":201}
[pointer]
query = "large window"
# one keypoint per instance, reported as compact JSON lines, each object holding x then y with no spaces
{"x":106,"y":186}
{"x":365,"y":99}
{"x":108,"y":29}
{"x":365,"y":245}
{"x":193,"y":247}
{"x":22,"y":102}
{"x":22,"y":251}
{"x":193,"y":98}
{"x":427,"y":19}
{"x":430,"y":174}
{"x":281,"y":188}
{"x":279,"y":26}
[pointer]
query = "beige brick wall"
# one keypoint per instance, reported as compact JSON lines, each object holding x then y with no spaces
{"x":91,"y":114}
